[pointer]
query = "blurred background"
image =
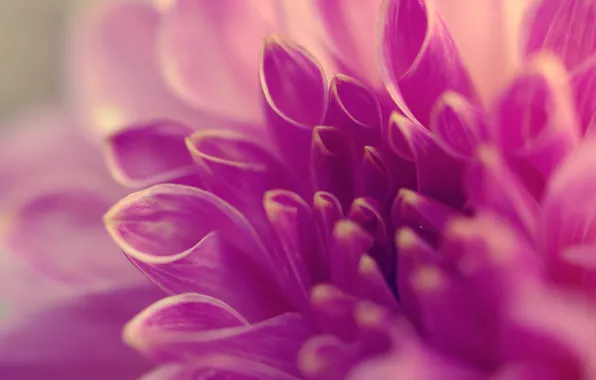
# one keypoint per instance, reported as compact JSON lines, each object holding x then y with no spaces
{"x":31,"y":42}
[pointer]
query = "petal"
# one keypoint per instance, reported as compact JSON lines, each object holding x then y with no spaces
{"x":349,"y":243}
{"x":438,"y":174}
{"x":325,"y":357}
{"x":147,"y":154}
{"x":536,"y":118}
{"x":295,"y":95}
{"x":492,"y":185}
{"x":372,"y":284}
{"x":419,"y":59}
{"x":351,"y":31}
{"x":273,"y":342}
{"x":114,"y":78}
{"x":224,"y":80}
{"x":237,"y":169}
{"x":375,"y":179}
{"x":354,"y":109}
{"x":218,"y":367}
{"x":333,"y":311}
{"x":77,"y":337}
{"x":292,"y":220}
{"x":332,"y":163}
{"x":459,"y":125}
{"x":187,"y":240}
{"x":567,"y":215}
{"x":327,"y":211}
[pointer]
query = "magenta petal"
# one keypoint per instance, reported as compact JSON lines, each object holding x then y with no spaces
{"x":150,"y":153}
{"x":333,"y":311}
{"x":327,"y":211}
{"x":438,"y":174}
{"x":354,"y":109}
{"x":188,"y":240}
{"x":218,"y":367}
{"x":492,"y":185}
{"x":237,"y":169}
{"x":294,"y":223}
{"x":536,"y":117}
{"x":420,"y":60}
{"x":375,"y":178}
{"x":350,"y":242}
{"x":295,"y":93}
{"x":459,"y":125}
{"x":567,"y":218}
{"x":373,"y":285}
{"x":190,"y":326}
{"x":332,"y":163}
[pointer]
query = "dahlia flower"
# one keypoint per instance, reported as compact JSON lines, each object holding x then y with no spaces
{"x":393,"y":223}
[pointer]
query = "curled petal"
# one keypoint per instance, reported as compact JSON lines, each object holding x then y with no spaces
{"x":147,"y":154}
{"x":218,"y":367}
{"x":188,"y":240}
{"x":419,"y":59}
{"x":438,"y":174}
{"x":413,"y":253}
{"x":422,"y":213}
{"x":354,"y":109}
{"x":372,"y":284}
{"x":224,"y":81}
{"x":333,"y":311}
{"x":458,"y":125}
{"x":492,"y":185}
{"x":236,"y":168}
{"x":350,"y":242}
{"x":536,"y":117}
{"x":295,"y":94}
{"x":327,"y":211}
{"x":192,"y":326}
{"x":299,"y":251}
{"x":568,"y":208}
{"x":375,"y":178}
{"x":332,"y":163}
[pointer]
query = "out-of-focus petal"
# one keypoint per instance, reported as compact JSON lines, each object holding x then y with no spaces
{"x":54,"y":188}
{"x":188,"y":240}
{"x":144,"y":155}
{"x":113,"y":75}
{"x":419,"y":59}
{"x":351,"y":28}
{"x":487,"y":34}
{"x":218,"y":367}
{"x":192,"y":326}
{"x":76,"y":338}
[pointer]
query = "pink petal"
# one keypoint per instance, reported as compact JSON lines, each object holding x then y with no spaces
{"x":148,"y":154}
{"x":188,"y":240}
{"x":114,"y":78}
{"x":375,"y":179}
{"x":193,"y":326}
{"x":333,"y":311}
{"x":327,"y":211}
{"x":419,"y":59}
{"x":325,"y":357}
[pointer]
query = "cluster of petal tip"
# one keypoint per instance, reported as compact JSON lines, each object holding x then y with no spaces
{"x":371,"y":234}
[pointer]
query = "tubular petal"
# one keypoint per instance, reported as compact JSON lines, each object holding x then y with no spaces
{"x":147,"y":154}
{"x":419,"y":59}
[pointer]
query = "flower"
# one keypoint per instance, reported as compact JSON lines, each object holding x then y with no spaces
{"x":279,"y":249}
